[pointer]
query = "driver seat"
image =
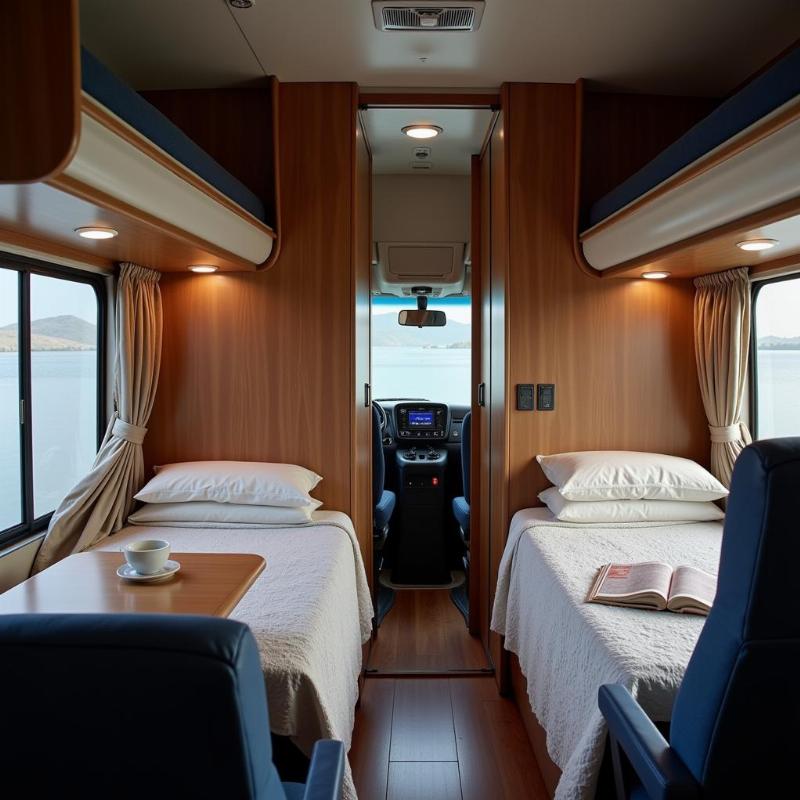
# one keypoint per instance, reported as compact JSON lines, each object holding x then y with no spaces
{"x":383,"y":501}
{"x":461,"y":504}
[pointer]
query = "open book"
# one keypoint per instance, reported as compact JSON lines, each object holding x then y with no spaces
{"x":654,"y":585}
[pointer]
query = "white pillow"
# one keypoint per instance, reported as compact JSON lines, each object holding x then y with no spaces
{"x":244,"y":482}
{"x":621,"y":475}
{"x":628,"y":510}
{"x":227,"y":513}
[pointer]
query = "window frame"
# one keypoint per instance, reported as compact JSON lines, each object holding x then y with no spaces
{"x":755,"y":290}
{"x":25,"y":267}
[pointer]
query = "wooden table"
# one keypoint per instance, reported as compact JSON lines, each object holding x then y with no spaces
{"x":207,"y":583}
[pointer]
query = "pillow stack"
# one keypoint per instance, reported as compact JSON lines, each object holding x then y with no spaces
{"x":227,"y":493}
{"x":621,"y":486}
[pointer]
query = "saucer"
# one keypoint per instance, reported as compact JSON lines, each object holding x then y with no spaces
{"x":127,"y":572}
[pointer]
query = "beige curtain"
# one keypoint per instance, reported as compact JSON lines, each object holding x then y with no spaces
{"x":100,"y":503}
{"x":721,"y":345}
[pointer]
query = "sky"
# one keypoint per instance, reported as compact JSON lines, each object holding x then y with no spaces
{"x":456,"y":308}
{"x":50,"y":297}
{"x":777,"y":311}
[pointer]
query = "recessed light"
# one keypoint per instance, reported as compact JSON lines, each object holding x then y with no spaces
{"x":241,"y":3}
{"x":655,"y":276}
{"x":757,"y":244}
{"x":203,"y":268}
{"x":97,"y":233}
{"x":422,"y":131}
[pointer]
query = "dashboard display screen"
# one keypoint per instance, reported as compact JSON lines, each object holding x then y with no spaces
{"x":420,"y":419}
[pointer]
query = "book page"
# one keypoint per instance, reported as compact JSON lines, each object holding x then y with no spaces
{"x":621,"y":581}
{"x":692,"y":590}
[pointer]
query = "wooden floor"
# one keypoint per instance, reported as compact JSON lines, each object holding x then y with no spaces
{"x":425,"y":631}
{"x":437,"y":738}
{"x":441,"y":739}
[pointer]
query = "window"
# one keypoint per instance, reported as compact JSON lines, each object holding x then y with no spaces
{"x":776,"y":358}
{"x":422,"y":363}
{"x":51,"y":388}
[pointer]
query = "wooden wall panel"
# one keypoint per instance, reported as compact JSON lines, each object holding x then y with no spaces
{"x":40,"y":88}
{"x":500,"y":348}
{"x":620,"y":352}
{"x":259,"y":366}
{"x":481,"y":427}
{"x":478,"y":615}
{"x":361,"y":443}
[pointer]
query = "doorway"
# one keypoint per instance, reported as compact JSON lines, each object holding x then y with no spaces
{"x":423,"y":385}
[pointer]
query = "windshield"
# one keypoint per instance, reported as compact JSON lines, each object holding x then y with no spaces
{"x":421,"y":363}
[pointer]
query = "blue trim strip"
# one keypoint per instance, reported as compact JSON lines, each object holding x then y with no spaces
{"x":101,"y":84}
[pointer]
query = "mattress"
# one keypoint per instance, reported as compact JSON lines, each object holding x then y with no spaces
{"x":105,"y":87}
{"x":763,"y":95}
{"x":568,"y":648}
{"x":310,"y":611}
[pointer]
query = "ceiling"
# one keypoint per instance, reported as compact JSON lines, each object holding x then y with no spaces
{"x":699,"y":47}
{"x":463,"y":132}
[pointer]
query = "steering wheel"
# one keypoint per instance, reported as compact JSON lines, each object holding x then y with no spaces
{"x":384,"y":417}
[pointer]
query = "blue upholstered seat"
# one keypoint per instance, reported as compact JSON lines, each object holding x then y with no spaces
{"x":461,"y":512}
{"x":142,"y":705}
{"x":383,"y":501}
{"x":383,"y":510}
{"x":736,"y":715}
{"x":461,"y":504}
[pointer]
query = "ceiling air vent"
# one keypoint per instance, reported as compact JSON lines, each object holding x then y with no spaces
{"x":424,"y":15}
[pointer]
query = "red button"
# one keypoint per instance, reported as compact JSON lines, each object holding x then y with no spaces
{"x":435,"y":481}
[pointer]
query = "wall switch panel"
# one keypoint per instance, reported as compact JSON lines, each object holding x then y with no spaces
{"x":525,"y":397}
{"x":546,"y":396}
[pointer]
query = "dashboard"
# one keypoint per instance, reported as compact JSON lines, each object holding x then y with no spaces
{"x":420,"y":421}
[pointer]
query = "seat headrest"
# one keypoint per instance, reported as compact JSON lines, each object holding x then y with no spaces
{"x":761,"y":542}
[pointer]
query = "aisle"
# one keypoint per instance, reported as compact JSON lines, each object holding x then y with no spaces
{"x":425,"y":631}
{"x":441,"y":739}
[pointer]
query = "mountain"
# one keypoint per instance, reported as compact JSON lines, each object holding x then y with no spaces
{"x":387,"y":333}
{"x":65,"y":332}
{"x":779,"y":343}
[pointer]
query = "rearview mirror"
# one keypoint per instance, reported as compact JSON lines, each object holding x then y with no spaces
{"x":417,"y":318}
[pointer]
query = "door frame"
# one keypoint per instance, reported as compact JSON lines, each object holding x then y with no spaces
{"x":479,"y":100}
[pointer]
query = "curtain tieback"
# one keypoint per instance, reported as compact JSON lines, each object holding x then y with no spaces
{"x":130,"y":433}
{"x":720,"y":434}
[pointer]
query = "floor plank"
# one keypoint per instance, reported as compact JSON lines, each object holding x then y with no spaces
{"x":425,"y":631}
{"x":422,"y":723}
{"x":494,"y":753}
{"x":372,"y":736}
{"x":463,"y":723}
{"x":424,"y":780}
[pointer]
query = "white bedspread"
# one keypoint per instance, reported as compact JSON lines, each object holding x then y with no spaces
{"x":567,"y":648}
{"x":310,"y":611}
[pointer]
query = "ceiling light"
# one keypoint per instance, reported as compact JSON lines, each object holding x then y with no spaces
{"x":97,"y":233}
{"x":757,"y":244}
{"x":241,"y":3}
{"x":203,"y":269}
{"x":655,"y":276}
{"x":422,"y":131}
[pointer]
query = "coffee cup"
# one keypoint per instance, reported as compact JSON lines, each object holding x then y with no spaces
{"x":147,"y":556}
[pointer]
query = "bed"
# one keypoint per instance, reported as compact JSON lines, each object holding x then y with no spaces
{"x":310,"y":611}
{"x":106,"y":88}
{"x":112,"y":160}
{"x":738,"y":162}
{"x":568,"y":648}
